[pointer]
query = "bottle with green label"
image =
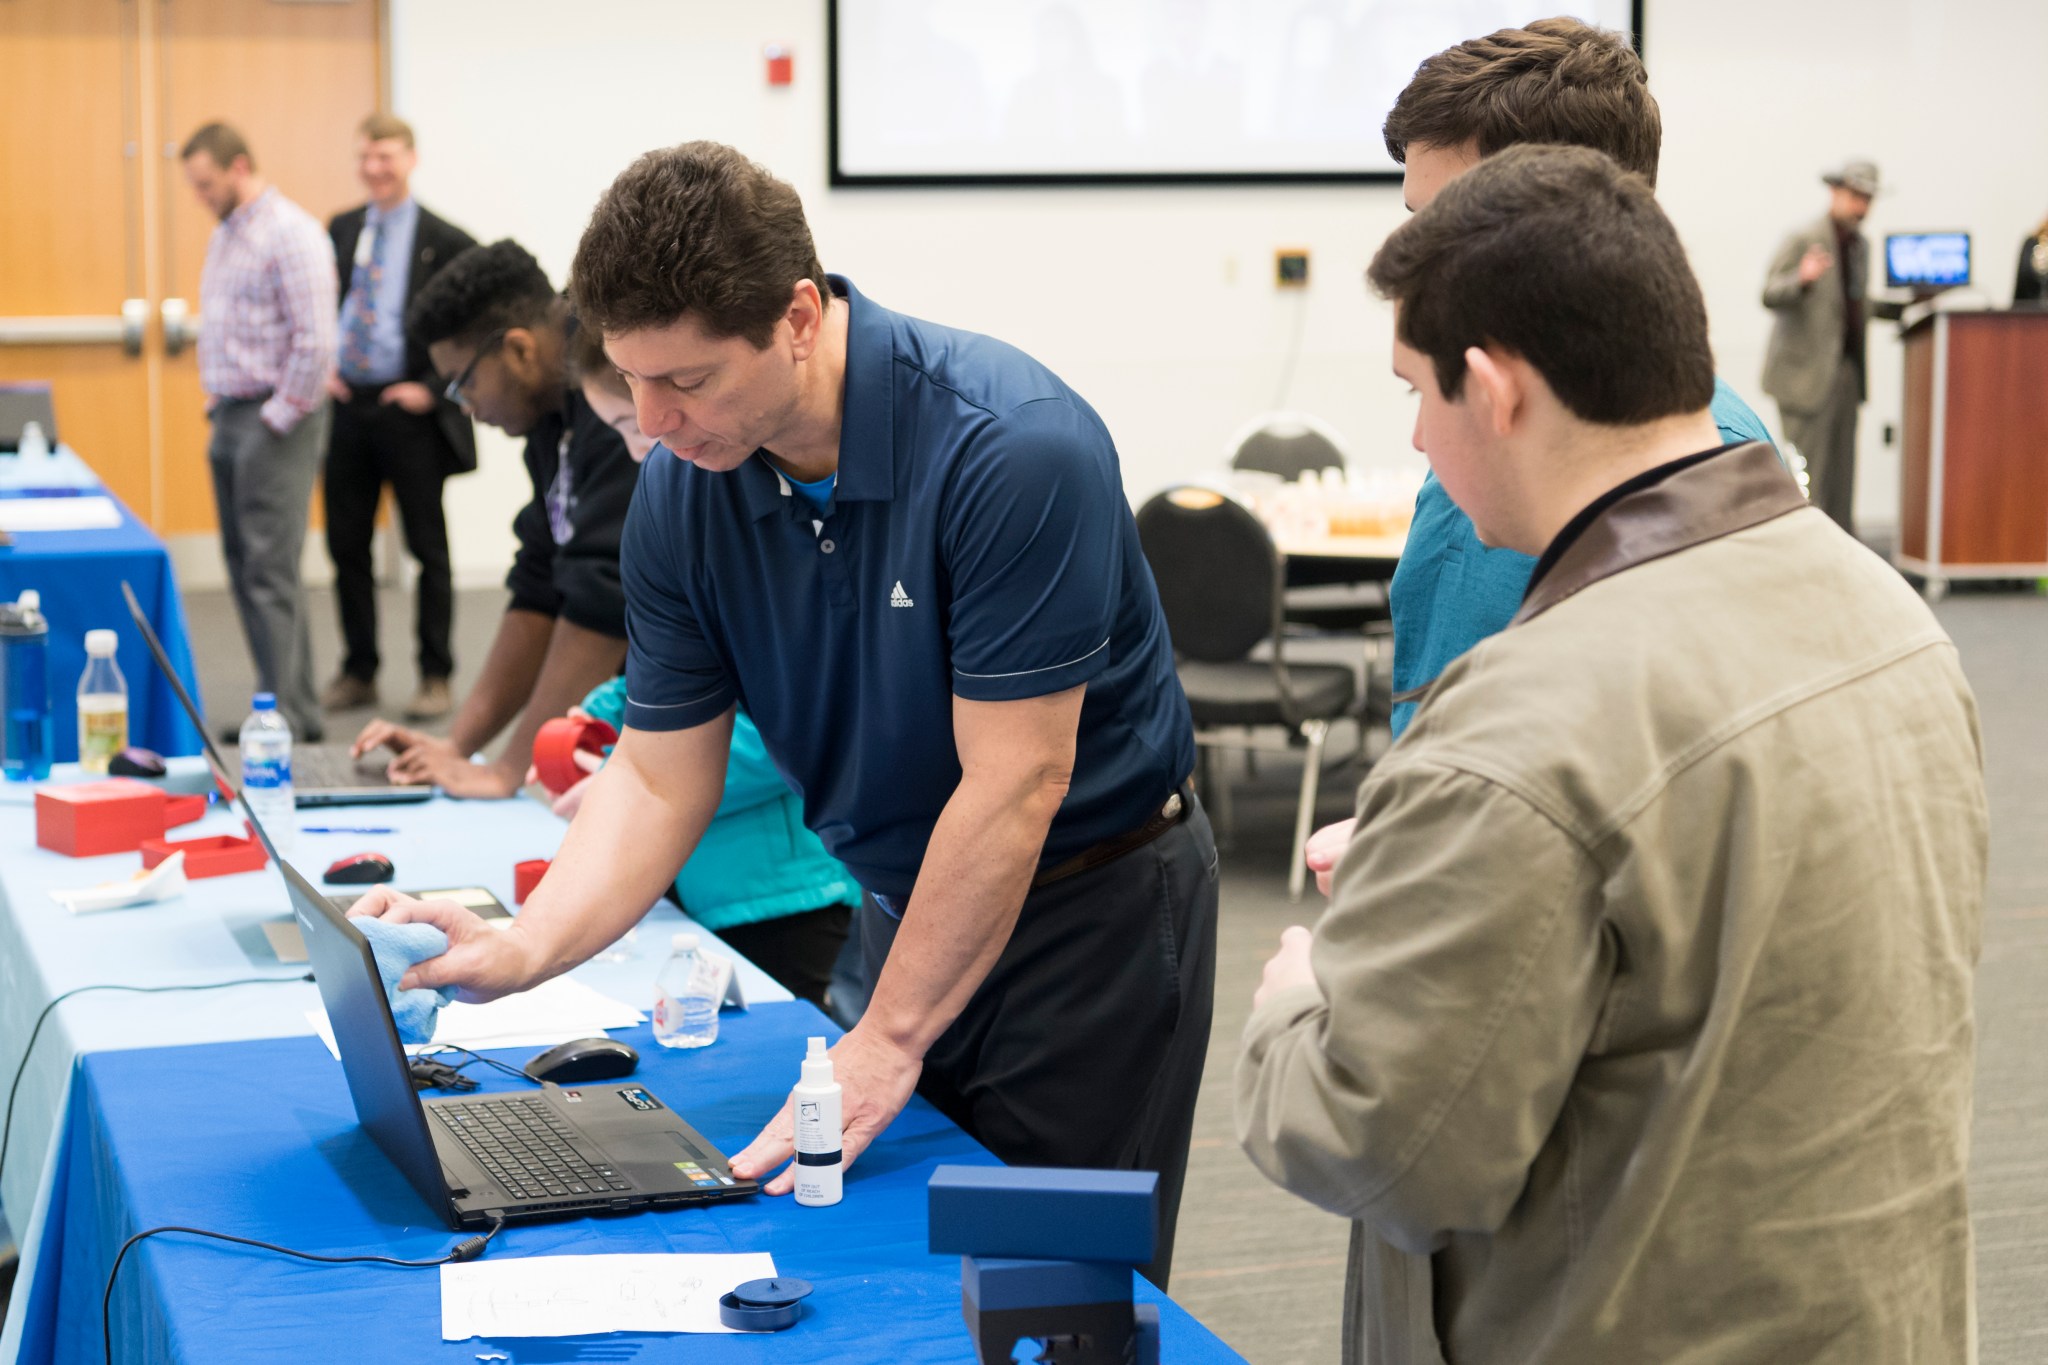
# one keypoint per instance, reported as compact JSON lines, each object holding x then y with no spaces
{"x":102,"y":704}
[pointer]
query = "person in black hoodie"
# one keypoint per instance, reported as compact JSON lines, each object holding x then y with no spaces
{"x":493,"y":323}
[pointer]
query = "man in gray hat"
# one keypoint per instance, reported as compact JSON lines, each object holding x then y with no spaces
{"x":1817,"y":287}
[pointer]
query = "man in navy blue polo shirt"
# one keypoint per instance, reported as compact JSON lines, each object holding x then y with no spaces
{"x":906,"y":551}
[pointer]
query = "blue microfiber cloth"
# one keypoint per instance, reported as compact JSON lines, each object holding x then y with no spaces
{"x":397,"y":947}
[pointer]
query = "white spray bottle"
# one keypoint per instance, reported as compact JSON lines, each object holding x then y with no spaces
{"x":820,"y":1166}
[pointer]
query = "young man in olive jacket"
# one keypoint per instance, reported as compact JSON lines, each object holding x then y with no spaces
{"x":1639,"y":1026}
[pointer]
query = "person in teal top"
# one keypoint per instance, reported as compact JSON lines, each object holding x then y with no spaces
{"x":759,"y":879}
{"x":758,"y":871}
{"x":1450,"y":591}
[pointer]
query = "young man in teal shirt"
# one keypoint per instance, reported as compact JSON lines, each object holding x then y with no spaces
{"x":1556,"y":81}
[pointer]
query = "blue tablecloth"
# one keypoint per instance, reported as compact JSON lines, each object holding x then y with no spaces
{"x":79,"y":575}
{"x":212,"y":934}
{"x":259,"y":1139}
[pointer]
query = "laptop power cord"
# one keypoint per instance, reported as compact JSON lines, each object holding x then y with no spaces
{"x":7,"y":1129}
{"x":467,"y":1249}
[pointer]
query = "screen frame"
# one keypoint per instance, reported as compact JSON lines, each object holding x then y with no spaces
{"x":1892,"y":281}
{"x":839,"y":178}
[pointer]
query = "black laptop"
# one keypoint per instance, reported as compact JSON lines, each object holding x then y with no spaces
{"x":328,"y":775}
{"x":555,"y":1152}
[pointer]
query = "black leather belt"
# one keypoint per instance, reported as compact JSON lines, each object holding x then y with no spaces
{"x":1170,"y":813}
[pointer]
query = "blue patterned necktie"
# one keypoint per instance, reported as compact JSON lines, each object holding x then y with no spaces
{"x":359,"y":320}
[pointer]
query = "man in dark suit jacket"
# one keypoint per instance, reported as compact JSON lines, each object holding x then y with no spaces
{"x":391,"y":423}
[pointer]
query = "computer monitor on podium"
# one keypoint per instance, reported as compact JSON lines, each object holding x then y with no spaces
{"x":1927,"y":262}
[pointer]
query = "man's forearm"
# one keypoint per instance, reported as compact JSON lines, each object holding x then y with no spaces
{"x":513,"y":664}
{"x":640,"y":820}
{"x":576,"y":661}
{"x":977,"y":871}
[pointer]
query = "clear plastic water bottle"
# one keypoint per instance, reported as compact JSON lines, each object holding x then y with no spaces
{"x":685,"y":1005}
{"x":33,"y":444}
{"x":27,"y":736}
{"x":266,"y":745}
{"x":102,"y":703}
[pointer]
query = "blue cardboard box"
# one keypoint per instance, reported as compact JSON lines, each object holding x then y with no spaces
{"x":1045,"y":1213}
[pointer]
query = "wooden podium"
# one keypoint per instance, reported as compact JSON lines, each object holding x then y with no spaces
{"x":1973,"y":472}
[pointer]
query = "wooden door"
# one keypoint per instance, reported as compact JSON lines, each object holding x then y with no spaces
{"x":101,"y":94}
{"x":70,"y":227}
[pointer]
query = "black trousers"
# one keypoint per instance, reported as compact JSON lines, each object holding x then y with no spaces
{"x":374,"y":444}
{"x":1084,"y":1046}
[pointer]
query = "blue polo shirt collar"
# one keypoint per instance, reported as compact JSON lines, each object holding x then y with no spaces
{"x":867,"y":420}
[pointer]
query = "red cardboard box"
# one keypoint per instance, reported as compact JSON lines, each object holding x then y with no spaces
{"x":92,"y":818}
{"x":110,"y":816}
{"x":214,"y":856}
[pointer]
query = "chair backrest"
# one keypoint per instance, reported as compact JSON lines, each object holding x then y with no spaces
{"x":1217,"y":571}
{"x":1287,"y":444}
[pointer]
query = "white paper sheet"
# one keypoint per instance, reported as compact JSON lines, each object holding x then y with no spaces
{"x":556,"y":1011}
{"x":58,"y":514}
{"x":562,"y":1296}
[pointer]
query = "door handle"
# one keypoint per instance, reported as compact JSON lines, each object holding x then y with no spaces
{"x":181,"y":329}
{"x":134,"y":321}
{"x":77,"y":330}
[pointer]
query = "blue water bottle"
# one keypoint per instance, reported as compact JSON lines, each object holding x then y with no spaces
{"x":27,"y":737}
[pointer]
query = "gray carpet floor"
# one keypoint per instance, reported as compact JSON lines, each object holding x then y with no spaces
{"x":1265,"y":1270}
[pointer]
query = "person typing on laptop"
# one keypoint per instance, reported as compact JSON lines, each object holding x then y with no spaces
{"x":493,"y":322}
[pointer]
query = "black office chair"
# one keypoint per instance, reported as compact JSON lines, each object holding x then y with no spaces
{"x":1287,"y":444}
{"x":1221,"y":581}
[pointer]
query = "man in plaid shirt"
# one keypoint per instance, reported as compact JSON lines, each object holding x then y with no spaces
{"x":266,"y":348}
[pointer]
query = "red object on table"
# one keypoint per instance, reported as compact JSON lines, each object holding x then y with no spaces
{"x":781,"y":65}
{"x":526,"y":876}
{"x":216,"y":855}
{"x":554,"y":750}
{"x":87,"y":819}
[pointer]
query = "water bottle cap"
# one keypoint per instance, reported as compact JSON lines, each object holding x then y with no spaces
{"x":684,"y":943}
{"x":101,"y":644}
{"x":265,"y":701}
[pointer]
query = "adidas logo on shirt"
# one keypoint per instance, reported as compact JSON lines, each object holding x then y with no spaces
{"x":898,"y":597}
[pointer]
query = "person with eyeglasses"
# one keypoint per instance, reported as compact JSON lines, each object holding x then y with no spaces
{"x":491,"y":320}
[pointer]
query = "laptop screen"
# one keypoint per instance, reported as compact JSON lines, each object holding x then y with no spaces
{"x":345,"y":971}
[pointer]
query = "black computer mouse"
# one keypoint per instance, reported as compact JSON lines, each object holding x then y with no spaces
{"x":586,"y":1059}
{"x":359,"y":869}
{"x":135,"y":761}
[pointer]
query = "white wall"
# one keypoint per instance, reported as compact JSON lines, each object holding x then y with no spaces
{"x":1157,"y":304}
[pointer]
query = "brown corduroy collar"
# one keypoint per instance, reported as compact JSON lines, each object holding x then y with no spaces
{"x":1739,"y":488}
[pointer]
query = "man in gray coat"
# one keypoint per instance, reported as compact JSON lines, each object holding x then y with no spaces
{"x":1818,"y":289}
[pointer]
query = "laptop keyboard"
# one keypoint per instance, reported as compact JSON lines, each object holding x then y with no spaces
{"x":528,"y":1149}
{"x":329,"y":766}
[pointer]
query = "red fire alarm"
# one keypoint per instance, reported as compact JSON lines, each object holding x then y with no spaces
{"x":780,"y":65}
